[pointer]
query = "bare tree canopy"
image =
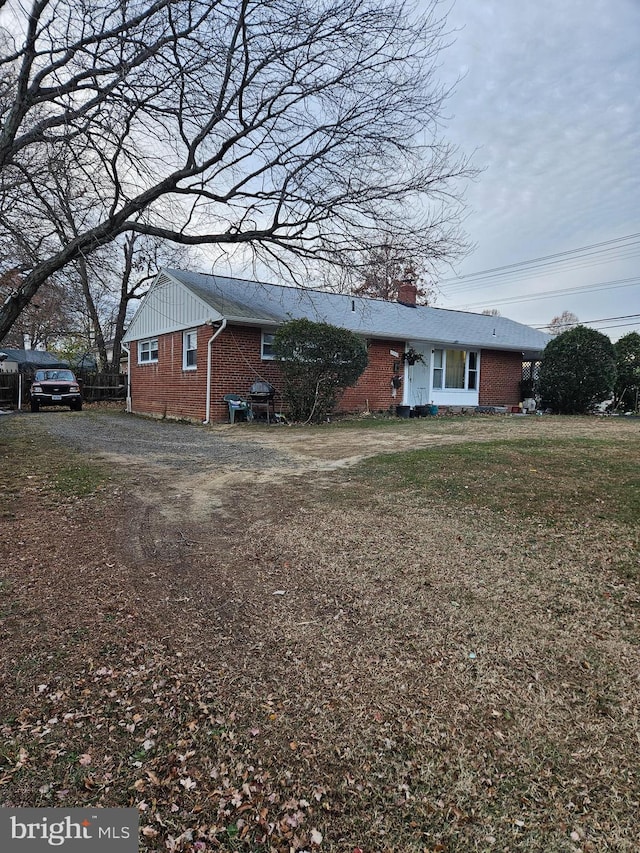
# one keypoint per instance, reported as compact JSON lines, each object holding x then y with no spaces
{"x":386,"y":267}
{"x":563,"y":323}
{"x":299,"y":128}
{"x":44,"y":320}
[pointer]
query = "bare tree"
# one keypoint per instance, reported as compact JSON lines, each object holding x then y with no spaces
{"x":43,"y":321}
{"x":98,"y":287}
{"x":140,"y":257}
{"x":298,"y":128}
{"x":384,"y":269}
{"x":563,"y":323}
{"x":491,"y":312}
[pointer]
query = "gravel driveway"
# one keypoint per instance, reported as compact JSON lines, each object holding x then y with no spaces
{"x":182,"y":447}
{"x":167,"y":448}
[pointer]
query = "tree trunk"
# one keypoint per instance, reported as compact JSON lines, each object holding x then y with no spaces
{"x":96,"y":328}
{"x":125,"y":295}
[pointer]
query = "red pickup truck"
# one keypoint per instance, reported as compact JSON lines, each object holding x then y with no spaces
{"x":55,"y":388}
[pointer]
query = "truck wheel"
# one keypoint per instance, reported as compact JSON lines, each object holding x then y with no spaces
{"x":35,"y":406}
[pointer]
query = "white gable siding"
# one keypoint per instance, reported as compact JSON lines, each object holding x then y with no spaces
{"x":168,"y":307}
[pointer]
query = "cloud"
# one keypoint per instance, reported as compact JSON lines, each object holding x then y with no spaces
{"x":550,"y":105}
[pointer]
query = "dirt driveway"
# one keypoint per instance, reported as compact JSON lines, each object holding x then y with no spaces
{"x":200,"y":466}
{"x":252,"y":450}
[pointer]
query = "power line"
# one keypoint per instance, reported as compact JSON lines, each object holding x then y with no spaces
{"x":568,"y":265}
{"x":601,"y":285}
{"x":618,"y":325}
{"x":584,"y":322}
{"x":537,"y":260}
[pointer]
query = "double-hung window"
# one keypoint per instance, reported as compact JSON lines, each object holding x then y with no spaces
{"x":472,"y":370}
{"x":267,"y":352}
{"x":148,"y":351}
{"x":455,"y":369}
{"x":190,"y":350}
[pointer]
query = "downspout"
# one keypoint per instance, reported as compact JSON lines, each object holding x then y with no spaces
{"x":406,"y":389}
{"x":128,"y":352}
{"x":220,"y":328}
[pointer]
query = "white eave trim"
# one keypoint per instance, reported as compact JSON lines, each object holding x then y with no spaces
{"x":435,"y":342}
{"x":263,"y":322}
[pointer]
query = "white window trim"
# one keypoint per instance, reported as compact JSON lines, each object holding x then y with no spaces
{"x":185,"y":351}
{"x":149,"y":360}
{"x":266,"y":356}
{"x":445,"y":387}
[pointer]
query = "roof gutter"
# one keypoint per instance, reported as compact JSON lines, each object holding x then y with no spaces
{"x":220,"y":329}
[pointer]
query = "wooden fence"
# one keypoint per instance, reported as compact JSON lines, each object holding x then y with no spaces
{"x":8,"y":390}
{"x":102,"y":386}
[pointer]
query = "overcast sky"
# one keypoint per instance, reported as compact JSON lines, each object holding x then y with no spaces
{"x":550,"y":104}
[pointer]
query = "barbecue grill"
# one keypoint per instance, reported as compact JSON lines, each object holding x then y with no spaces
{"x":262,"y":396}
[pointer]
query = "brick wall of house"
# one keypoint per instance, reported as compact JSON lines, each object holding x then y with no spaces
{"x":373,"y":389}
{"x":500,"y":375}
{"x":237,"y":364}
{"x":164,"y":389}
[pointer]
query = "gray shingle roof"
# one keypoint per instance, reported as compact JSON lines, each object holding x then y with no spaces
{"x":270,"y":305}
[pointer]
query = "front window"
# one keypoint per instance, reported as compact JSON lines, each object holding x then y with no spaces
{"x":267,"y":346}
{"x":148,"y":351}
{"x":190,"y":350}
{"x":454,"y":373}
{"x":455,"y":369}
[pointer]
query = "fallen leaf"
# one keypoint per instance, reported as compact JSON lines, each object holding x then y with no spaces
{"x":23,"y":757}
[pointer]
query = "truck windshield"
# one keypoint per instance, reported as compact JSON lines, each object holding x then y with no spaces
{"x":55,"y":375}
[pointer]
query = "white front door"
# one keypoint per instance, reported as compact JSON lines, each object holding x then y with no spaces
{"x":417,"y":377}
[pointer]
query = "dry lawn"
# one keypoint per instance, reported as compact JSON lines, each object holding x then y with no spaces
{"x":430,"y":650}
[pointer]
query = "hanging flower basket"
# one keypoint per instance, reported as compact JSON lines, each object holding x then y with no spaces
{"x":412,"y":356}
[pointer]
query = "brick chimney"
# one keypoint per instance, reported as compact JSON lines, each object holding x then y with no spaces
{"x":407,"y":292}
